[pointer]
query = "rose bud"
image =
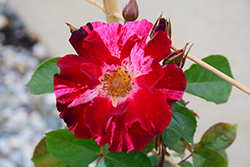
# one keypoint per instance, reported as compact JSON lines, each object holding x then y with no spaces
{"x":178,"y":57}
{"x":130,"y":12}
{"x":161,"y":24}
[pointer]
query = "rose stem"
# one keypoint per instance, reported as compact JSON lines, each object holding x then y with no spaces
{"x":171,"y":163}
{"x":111,"y":7}
{"x":191,"y":57}
{"x":99,"y":5}
{"x":110,"y":14}
{"x":215,"y":71}
{"x":100,"y":156}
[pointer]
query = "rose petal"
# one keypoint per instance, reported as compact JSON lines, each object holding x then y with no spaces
{"x":95,"y":45}
{"x":151,"y":110}
{"x":71,"y":81}
{"x":82,"y":98}
{"x":93,"y":71}
{"x":73,"y":117}
{"x":112,"y":34}
{"x":78,"y":36}
{"x":99,"y":112}
{"x":173,"y":83}
{"x":115,"y":36}
{"x":124,"y":141}
{"x":131,"y":42}
{"x":93,"y":25}
{"x":139,"y":137}
{"x":140,"y":28}
{"x":159,"y":46}
{"x":149,"y":80}
{"x":148,"y":115}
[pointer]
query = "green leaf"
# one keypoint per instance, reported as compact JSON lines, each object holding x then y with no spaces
{"x":203,"y":83}
{"x":182,"y":102}
{"x":183,"y":122}
{"x":149,"y":147}
{"x":170,"y":137}
{"x":173,"y":140}
{"x":175,"y":154}
{"x":186,"y":164}
{"x":204,"y":157}
{"x":42,"y":157}
{"x":42,"y":79}
{"x":75,"y":152}
{"x":180,"y":146}
{"x":106,"y":149}
{"x":219,"y":137}
{"x":156,"y":160}
{"x":130,"y":159}
{"x":224,"y":154}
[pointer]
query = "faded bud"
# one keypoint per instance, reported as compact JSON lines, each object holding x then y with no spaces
{"x":178,"y":57}
{"x":131,"y":11}
{"x":161,"y":24}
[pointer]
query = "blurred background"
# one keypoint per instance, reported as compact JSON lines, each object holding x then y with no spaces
{"x":33,"y":30}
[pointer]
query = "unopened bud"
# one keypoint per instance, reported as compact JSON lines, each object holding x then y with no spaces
{"x":161,"y":24}
{"x":131,"y":11}
{"x":178,"y":57}
{"x":80,"y":33}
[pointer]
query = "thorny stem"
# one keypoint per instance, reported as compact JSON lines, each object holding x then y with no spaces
{"x":186,"y":158}
{"x":170,"y":162}
{"x":162,"y":157}
{"x":100,"y":157}
{"x":191,"y":57}
{"x":158,"y":143}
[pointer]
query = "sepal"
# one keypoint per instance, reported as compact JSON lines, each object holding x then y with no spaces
{"x":178,"y":57}
{"x":162,"y":24}
{"x":72,"y":29}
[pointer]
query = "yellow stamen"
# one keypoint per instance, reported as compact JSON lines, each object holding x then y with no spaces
{"x":116,"y":83}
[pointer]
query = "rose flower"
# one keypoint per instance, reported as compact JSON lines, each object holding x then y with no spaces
{"x":115,"y":90}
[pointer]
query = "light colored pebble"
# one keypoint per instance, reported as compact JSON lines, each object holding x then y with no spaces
{"x":6,"y":163}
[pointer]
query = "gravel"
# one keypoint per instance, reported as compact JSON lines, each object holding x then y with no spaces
{"x":24,"y":118}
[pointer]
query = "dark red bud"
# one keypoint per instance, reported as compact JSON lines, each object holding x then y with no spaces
{"x":81,"y":33}
{"x":131,"y":11}
{"x":161,"y":24}
{"x":78,"y":35}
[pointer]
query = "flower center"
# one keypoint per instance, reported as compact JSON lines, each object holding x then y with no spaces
{"x":116,"y":83}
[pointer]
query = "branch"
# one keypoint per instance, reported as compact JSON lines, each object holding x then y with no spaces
{"x":171,"y":163}
{"x":110,"y":14}
{"x":111,"y":7}
{"x":215,"y":71}
{"x":186,"y":158}
{"x":118,"y":16}
{"x":99,"y":5}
